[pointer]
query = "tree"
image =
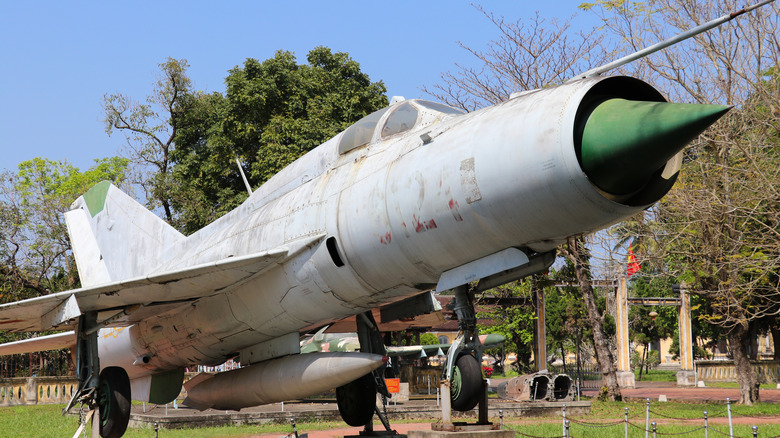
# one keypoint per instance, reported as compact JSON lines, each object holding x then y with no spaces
{"x":578,"y":254}
{"x":529,"y":54}
{"x":565,"y":315}
{"x":34,"y":243}
{"x":150,"y":129}
{"x":718,"y":228}
{"x":515,"y":323}
{"x":645,"y":329}
{"x":272,"y":113}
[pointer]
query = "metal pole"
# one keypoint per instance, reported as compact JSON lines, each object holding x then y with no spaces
{"x":625,"y":426}
{"x":706,"y":426}
{"x":755,"y":431}
{"x":95,"y":433}
{"x":647,"y":417}
{"x":501,"y":419}
{"x":655,"y":430}
{"x":564,"y":419}
{"x":731,"y":425}
{"x":446,"y":402}
{"x":566,"y":429}
{"x":243,"y":177}
{"x":663,"y":44}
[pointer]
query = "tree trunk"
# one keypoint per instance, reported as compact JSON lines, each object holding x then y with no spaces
{"x":604,"y":358}
{"x":563,"y":357}
{"x":748,"y":383}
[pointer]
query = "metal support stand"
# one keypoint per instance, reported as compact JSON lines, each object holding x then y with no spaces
{"x":371,"y":342}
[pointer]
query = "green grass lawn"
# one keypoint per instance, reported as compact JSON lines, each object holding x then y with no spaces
{"x":605,"y":420}
{"x":656,"y":376}
{"x":736,"y":385}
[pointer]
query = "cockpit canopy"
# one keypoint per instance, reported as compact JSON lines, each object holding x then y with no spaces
{"x":393,"y":120}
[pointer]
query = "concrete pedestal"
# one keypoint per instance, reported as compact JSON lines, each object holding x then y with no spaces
{"x":686,"y":378}
{"x":461,"y":434}
{"x":626,"y":379}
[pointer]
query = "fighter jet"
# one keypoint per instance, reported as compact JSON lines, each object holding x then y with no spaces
{"x":321,"y":341}
{"x":414,"y":197}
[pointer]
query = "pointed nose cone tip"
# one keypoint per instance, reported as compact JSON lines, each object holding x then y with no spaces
{"x":625,"y":142}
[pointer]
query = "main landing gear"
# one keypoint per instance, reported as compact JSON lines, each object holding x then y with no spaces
{"x":106,"y":393}
{"x":114,"y":402}
{"x":357,"y":400}
{"x":463,"y":370}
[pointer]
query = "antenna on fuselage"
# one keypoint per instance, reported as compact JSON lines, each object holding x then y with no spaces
{"x":243,"y":176}
{"x":664,"y":44}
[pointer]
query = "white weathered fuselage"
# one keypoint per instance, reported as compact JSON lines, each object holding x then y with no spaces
{"x":397,"y":212}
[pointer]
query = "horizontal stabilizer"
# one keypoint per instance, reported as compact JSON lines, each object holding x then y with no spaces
{"x":56,"y":341}
{"x":166,"y":287}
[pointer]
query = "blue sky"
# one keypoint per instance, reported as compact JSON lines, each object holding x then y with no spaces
{"x":58,"y":59}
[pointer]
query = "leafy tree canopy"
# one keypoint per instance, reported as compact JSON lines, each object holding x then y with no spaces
{"x":34,"y":245}
{"x":272,"y":113}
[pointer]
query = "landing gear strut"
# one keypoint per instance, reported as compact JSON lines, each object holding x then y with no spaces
{"x":107,"y":393}
{"x":463,"y":369}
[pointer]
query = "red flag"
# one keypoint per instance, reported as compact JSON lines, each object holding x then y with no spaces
{"x":633,"y":265}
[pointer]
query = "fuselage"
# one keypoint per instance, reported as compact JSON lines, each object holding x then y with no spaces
{"x":373,"y":223}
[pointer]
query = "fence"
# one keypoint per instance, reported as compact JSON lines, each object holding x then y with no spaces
{"x":36,"y":364}
{"x":27,"y":391}
{"x":585,"y":377}
{"x":572,"y":427}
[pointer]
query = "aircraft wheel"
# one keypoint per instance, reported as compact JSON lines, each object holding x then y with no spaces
{"x":357,"y":400}
{"x":466,"y":384}
{"x":114,"y":401}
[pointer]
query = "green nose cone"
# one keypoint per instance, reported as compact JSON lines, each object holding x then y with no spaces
{"x":625,"y":142}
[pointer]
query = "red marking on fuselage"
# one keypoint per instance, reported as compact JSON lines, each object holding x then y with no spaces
{"x":430,"y":224}
{"x":385,"y":239}
{"x":418,"y":225}
{"x":453,"y":204}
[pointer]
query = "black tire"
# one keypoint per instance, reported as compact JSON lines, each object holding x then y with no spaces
{"x":466,"y":384}
{"x":114,"y":401}
{"x":357,"y":400}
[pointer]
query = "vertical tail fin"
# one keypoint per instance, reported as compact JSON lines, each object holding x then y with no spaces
{"x":114,"y":237}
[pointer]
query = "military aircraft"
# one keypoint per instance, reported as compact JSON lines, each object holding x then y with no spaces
{"x":413,"y":197}
{"x":321,"y":341}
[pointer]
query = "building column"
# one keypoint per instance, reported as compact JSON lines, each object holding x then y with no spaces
{"x":540,"y":331}
{"x":625,"y":376}
{"x":687,"y":374}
